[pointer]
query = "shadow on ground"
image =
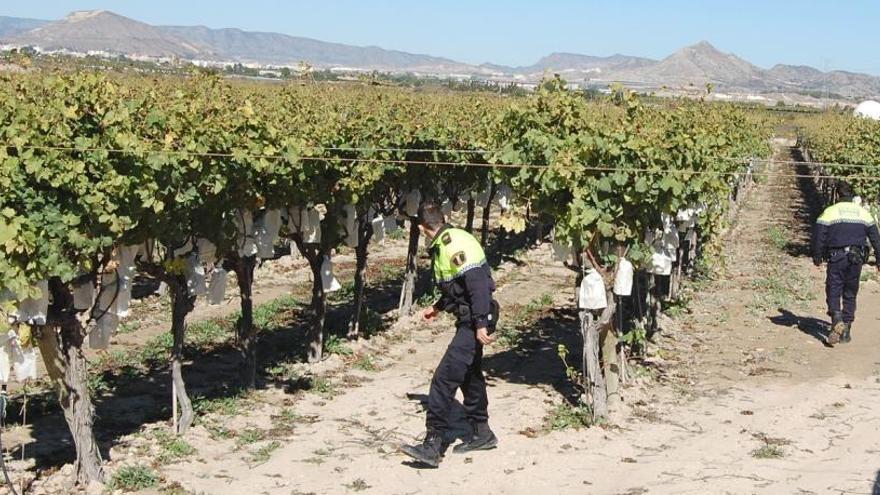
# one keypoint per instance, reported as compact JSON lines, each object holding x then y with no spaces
{"x":813,"y":201}
{"x":814,"y":327}
{"x":131,"y":396}
{"x":534,"y":358}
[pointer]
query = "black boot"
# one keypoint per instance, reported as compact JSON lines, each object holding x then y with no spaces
{"x":482,"y":438}
{"x":846,"y":336}
{"x":429,"y":451}
{"x":837,"y":328}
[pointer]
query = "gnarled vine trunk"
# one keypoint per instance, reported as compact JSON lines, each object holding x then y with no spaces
{"x":182,"y":303}
{"x":319,"y":311}
{"x":487,"y":211}
{"x":365,"y":233}
{"x":594,"y":381}
{"x":246,"y":332}
{"x":471,"y":213}
{"x":66,"y":365}
{"x":409,"y":279}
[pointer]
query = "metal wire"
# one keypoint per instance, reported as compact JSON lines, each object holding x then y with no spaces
{"x":391,"y":161}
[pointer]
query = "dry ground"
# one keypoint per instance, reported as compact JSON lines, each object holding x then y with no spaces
{"x":738,"y":395}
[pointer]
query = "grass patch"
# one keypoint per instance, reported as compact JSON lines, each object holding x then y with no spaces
{"x":129,"y":327}
{"x":428,"y":298}
{"x":322,"y":386}
{"x":778,"y":237}
{"x":364,"y":363}
{"x":357,"y":485}
{"x":249,"y":436}
{"x":768,"y":452}
{"x":345,"y":292}
{"x":227,"y":406}
{"x":264,"y":453}
{"x":567,"y":416}
{"x":780,"y":289}
{"x":219,"y":432}
{"x":208,"y":332}
{"x":132,"y":478}
{"x":771,"y":448}
{"x":173,"y":447}
{"x":335,"y":345}
{"x":398,"y":234}
{"x":515,"y":320}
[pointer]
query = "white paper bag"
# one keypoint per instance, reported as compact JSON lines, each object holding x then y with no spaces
{"x":266,"y":229}
{"x":33,"y":310}
{"x":328,"y":280}
{"x":661,"y":264}
{"x":350,"y":224}
{"x":310,"y":226}
{"x":196,"y":281}
{"x":623,"y":279}
{"x":26,"y":365}
{"x":83,"y":295}
{"x":244,"y":224}
{"x":592,"y":292}
{"x":391,"y":225}
{"x":378,"y":223}
{"x":6,"y":355}
{"x":102,"y":330}
{"x":411,"y":203}
{"x":217,"y":287}
{"x":126,"y":271}
{"x":503,"y":196}
{"x":207,"y":251}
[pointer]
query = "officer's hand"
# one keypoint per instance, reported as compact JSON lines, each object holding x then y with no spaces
{"x":430,"y":313}
{"x":484,"y":337}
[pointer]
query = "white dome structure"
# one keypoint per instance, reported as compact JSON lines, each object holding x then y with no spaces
{"x":869,"y":109}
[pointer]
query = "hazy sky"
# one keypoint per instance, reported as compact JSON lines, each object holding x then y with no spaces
{"x":843,"y":34}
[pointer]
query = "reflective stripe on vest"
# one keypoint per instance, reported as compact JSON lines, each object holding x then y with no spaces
{"x":846,"y":212}
{"x":457,"y":252}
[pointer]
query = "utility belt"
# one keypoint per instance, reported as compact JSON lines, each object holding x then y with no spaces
{"x":463,"y":316}
{"x":857,"y":255}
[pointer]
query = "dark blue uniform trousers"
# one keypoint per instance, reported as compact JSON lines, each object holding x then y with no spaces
{"x":461,"y":367}
{"x":842,"y":282}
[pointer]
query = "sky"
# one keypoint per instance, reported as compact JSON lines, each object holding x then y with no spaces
{"x":842,"y":34}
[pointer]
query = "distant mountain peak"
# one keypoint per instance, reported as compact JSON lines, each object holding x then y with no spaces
{"x":81,"y":15}
{"x":99,"y":31}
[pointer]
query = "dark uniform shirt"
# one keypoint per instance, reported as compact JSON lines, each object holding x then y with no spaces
{"x":842,"y":225}
{"x":462,"y":274}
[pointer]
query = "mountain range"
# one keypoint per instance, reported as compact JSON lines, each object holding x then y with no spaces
{"x":697,"y":65}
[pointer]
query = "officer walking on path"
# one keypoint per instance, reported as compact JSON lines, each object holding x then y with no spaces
{"x":465,"y":282}
{"x":840,"y":239}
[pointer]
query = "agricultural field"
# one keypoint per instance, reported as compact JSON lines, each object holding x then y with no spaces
{"x":224,"y":282}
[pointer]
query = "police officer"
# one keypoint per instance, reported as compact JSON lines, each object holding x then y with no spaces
{"x":465,"y":282}
{"x":839,"y":238}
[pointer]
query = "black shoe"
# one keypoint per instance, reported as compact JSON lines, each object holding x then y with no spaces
{"x":837,"y":328}
{"x":846,"y":336}
{"x":428,"y":452}
{"x":482,"y":438}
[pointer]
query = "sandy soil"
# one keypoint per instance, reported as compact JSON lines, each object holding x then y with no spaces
{"x":738,"y":394}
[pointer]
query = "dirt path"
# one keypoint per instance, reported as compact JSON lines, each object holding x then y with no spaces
{"x":752,"y":400}
{"x":741,"y":396}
